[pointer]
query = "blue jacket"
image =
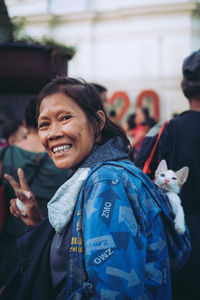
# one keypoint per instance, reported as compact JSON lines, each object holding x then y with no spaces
{"x":118,"y":250}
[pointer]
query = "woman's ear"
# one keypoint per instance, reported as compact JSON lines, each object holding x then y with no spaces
{"x":102,"y":116}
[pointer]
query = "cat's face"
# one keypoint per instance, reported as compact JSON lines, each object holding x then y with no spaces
{"x":168,"y":181}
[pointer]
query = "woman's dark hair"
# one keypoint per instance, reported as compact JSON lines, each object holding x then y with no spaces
{"x":87,"y":98}
{"x":191,"y":89}
{"x":30,"y":114}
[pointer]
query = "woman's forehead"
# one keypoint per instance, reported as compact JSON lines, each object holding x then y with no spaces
{"x":58,"y":100}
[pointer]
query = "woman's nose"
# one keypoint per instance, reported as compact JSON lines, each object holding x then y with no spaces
{"x":55,"y":131}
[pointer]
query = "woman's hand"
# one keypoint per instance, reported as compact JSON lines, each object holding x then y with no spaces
{"x":32,"y":215}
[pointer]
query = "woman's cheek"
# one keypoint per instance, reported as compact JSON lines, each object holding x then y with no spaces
{"x":42,"y":137}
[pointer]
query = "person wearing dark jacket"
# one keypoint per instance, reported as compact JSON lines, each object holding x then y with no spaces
{"x":43,"y":177}
{"x":179,"y":145}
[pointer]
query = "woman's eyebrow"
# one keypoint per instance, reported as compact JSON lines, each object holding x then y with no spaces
{"x":42,"y":117}
{"x":67,"y":111}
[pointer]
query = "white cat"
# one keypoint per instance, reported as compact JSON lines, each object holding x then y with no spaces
{"x":171,"y":182}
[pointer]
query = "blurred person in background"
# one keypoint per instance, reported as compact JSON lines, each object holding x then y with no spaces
{"x":14,"y":131}
{"x":179,"y":145}
{"x":43,"y":177}
{"x":102,"y":90}
{"x":148,"y":124}
{"x":129,"y":126}
{"x":113,"y":116}
{"x":139,"y":132}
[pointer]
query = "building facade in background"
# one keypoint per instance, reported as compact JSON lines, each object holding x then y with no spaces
{"x":131,"y":46}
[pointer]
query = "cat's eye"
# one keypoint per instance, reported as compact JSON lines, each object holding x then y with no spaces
{"x":174,"y":178}
{"x":162,"y":175}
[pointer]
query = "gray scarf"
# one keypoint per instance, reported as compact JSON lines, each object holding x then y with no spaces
{"x":61,"y":206}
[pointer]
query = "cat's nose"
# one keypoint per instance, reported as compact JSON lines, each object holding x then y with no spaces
{"x":166,"y":180}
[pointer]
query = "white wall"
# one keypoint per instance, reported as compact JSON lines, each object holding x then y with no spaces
{"x":128,"y":45}
{"x":21,"y":7}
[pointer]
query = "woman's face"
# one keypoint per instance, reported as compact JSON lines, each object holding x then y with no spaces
{"x":64,"y":131}
{"x":139,"y":116}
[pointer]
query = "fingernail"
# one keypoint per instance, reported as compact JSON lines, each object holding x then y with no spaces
{"x":27,"y":194}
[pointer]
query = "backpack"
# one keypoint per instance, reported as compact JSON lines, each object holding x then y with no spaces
{"x":179,"y":246}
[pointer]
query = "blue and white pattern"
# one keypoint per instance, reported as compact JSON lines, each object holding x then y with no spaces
{"x":122,"y":251}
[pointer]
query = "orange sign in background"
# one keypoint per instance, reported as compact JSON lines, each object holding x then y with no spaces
{"x":147,"y":98}
{"x":122,"y":102}
{"x":152,"y":100}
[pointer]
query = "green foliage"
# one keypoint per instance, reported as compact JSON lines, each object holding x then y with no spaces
{"x":18,"y":26}
{"x":48,"y":43}
{"x":58,"y":47}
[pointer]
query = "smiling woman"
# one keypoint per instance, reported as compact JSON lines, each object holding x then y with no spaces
{"x":64,"y":130}
{"x":102,"y":236}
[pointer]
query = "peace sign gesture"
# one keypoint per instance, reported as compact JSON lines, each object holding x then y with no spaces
{"x":27,"y":208}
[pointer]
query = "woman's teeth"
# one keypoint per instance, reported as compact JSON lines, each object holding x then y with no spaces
{"x":61,"y":148}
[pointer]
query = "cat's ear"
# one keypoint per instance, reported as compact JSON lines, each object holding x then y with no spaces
{"x":162,"y":167}
{"x":182,"y":175}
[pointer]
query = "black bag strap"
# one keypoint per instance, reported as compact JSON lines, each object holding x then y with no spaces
{"x":146,"y":169}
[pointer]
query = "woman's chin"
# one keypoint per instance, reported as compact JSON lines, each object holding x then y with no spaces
{"x":61,"y":162}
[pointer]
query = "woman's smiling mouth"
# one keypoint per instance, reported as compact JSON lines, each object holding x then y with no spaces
{"x":61,"y":148}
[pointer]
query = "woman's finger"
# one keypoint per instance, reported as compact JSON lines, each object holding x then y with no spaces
{"x":22,"y":180}
{"x":15,"y":185}
{"x":23,"y":196}
{"x":14,"y":209}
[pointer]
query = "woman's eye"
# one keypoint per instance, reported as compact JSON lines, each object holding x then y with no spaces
{"x":66,"y":117}
{"x":44,"y":124}
{"x":162,"y":175}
